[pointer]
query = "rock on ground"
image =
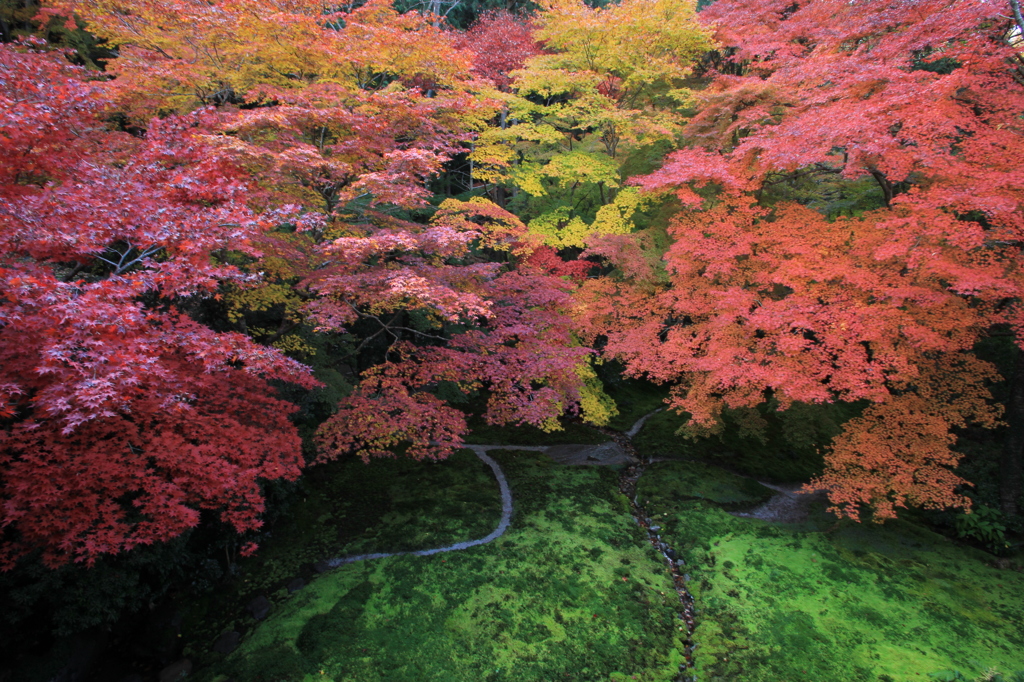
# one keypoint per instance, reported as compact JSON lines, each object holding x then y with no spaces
{"x":259,"y":607}
{"x":176,"y":671}
{"x":227,"y":642}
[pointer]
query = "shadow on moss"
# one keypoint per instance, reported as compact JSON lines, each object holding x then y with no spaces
{"x":348,"y":507}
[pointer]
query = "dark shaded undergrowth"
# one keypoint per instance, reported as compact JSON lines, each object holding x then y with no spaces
{"x":348,"y":508}
{"x":482,"y":433}
{"x":769,"y":445}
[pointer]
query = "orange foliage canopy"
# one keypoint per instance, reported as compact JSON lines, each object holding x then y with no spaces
{"x":778,"y":300}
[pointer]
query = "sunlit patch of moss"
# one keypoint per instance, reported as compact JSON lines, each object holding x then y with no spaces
{"x":571,"y":592}
{"x":827,"y":601}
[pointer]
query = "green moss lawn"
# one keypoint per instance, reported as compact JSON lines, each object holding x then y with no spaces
{"x":827,"y":601}
{"x":572,"y":592}
{"x":345,"y":508}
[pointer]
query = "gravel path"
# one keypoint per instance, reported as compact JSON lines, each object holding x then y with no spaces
{"x":635,"y":428}
{"x":790,"y":505}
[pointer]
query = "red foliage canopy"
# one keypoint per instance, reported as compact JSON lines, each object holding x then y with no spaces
{"x":515,"y":338}
{"x":369,"y":113}
{"x":124,"y":416}
{"x":500,"y":43}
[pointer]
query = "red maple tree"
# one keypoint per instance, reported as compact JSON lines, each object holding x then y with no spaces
{"x":500,"y":43}
{"x":504,"y":330}
{"x":124,"y":417}
{"x":339,"y":131}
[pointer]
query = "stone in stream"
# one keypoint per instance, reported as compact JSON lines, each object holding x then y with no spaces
{"x":227,"y":642}
{"x":176,"y":671}
{"x":655,"y":529}
{"x":259,"y":607}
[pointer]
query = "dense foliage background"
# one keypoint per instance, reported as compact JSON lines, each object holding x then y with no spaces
{"x":244,"y":238}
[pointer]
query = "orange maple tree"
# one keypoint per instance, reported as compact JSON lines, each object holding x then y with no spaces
{"x":763,"y":296}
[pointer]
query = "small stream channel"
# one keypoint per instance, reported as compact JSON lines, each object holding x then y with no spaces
{"x":627,"y":485}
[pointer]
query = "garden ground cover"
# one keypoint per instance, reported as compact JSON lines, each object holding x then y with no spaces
{"x":345,"y":508}
{"x":830,"y":601}
{"x":572,"y":591}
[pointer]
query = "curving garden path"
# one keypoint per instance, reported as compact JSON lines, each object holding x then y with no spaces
{"x":564,"y":454}
{"x":506,"y":515}
{"x":618,"y":450}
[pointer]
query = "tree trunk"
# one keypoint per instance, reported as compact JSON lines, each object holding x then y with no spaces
{"x":1013,"y":448}
{"x":1018,"y":19}
{"x":887,"y":188}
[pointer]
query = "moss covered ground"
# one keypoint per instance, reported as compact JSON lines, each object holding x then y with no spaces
{"x":346,"y":508}
{"x":571,"y":592}
{"x":574,"y":592}
{"x":830,"y":601}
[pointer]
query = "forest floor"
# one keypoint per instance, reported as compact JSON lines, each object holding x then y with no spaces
{"x":573,"y":590}
{"x":813,"y":599}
